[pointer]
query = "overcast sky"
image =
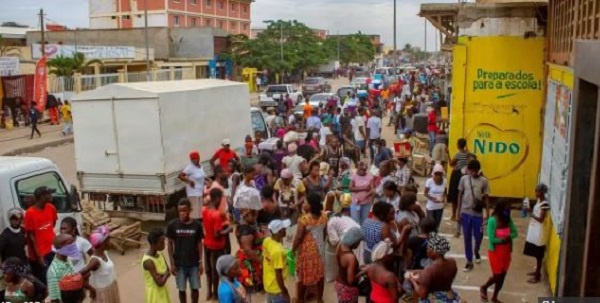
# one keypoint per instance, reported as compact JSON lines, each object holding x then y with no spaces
{"x":343,"y":16}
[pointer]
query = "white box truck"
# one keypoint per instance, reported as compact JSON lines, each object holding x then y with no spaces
{"x":20,"y":176}
{"x":133,"y":139}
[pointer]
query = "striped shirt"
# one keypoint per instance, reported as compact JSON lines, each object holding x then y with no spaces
{"x":461,"y":159}
{"x":57,"y":270}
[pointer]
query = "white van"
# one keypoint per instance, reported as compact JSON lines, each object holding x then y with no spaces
{"x":20,"y":176}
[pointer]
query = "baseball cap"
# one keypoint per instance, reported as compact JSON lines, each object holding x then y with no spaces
{"x":276,"y":225}
{"x":42,"y":190}
{"x":226,"y":142}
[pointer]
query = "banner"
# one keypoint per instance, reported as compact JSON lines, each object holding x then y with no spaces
{"x":40,"y":85}
{"x":89,"y":51}
{"x":9,"y":66}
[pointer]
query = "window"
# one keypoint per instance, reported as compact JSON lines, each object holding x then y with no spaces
{"x":233,"y":8}
{"x":244,"y":8}
{"x":245,"y":26}
{"x":208,"y":22}
{"x":258,"y":123}
{"x":193,"y":2}
{"x":193,"y":23}
{"x":221,"y":24}
{"x":208,"y":3}
{"x":176,"y":20}
{"x":60,"y":199}
{"x":175,"y":1}
{"x":232,"y":25}
{"x":221,"y":4}
{"x":126,"y":17}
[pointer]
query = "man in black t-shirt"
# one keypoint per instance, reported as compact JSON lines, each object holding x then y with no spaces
{"x":12,"y":239}
{"x":185,"y":251}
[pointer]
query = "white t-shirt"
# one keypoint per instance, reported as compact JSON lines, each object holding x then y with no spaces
{"x":197,"y":175}
{"x":323,"y":133}
{"x":374,"y":126}
{"x":357,"y":122}
{"x":293,"y":164}
{"x":398,"y":104}
{"x":536,"y":234}
{"x":436,"y":191}
{"x":83,"y":246}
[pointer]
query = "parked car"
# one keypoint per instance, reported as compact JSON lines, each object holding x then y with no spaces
{"x":343,"y":91}
{"x":274,"y":92}
{"x":299,"y":109}
{"x":315,"y":85}
{"x":322,"y":98}
{"x":359,"y":82}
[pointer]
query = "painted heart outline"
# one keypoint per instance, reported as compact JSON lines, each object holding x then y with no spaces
{"x":499,"y":130}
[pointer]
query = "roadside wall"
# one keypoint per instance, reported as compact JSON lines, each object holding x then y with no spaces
{"x":496,"y":106}
{"x":555,"y":158}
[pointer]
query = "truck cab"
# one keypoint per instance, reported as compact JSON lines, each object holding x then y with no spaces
{"x":20,"y":176}
{"x":276,"y":92}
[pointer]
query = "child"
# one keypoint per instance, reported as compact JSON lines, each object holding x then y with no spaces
{"x":69,"y":226}
{"x":156,"y":270}
{"x":537,"y":237}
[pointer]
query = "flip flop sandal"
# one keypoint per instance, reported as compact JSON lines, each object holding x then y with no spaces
{"x":483,"y":295}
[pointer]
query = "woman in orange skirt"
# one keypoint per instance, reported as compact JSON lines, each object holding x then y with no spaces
{"x":501,"y":230}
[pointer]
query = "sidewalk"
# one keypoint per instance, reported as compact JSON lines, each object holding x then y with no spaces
{"x":16,"y":141}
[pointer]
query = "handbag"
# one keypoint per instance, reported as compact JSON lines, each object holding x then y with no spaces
{"x":364,"y":286}
{"x":478,"y":203}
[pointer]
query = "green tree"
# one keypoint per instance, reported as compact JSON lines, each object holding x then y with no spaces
{"x":301,"y":48}
{"x":8,"y":50}
{"x":407,"y":47}
{"x":354,"y":48}
{"x":67,"y":66}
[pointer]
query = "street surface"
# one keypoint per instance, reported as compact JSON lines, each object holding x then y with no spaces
{"x":129,"y":270}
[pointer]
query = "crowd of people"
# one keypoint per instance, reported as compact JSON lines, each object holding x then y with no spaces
{"x":328,"y":201}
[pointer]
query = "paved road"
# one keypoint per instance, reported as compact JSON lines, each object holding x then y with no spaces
{"x":131,"y":282}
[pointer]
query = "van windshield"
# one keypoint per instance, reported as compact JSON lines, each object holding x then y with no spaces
{"x":277,"y":89}
{"x":60,"y":198}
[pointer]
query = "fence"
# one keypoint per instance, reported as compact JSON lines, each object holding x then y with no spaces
{"x":79,"y":83}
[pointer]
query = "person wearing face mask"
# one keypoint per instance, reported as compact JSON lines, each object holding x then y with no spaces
{"x":61,"y":267}
{"x":501,"y":231}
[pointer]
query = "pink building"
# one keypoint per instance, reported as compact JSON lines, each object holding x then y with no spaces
{"x":230,"y":15}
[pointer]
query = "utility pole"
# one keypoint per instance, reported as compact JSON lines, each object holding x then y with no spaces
{"x":395,"y":46}
{"x":43,"y":34}
{"x":338,"y":45}
{"x":281,"y":40}
{"x":146,"y":40}
{"x":425,"y":36}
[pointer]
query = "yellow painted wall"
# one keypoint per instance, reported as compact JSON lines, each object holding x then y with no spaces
{"x":563,"y":75}
{"x":498,"y":94}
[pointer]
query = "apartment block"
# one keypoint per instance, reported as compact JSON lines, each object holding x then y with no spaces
{"x":232,"y":16}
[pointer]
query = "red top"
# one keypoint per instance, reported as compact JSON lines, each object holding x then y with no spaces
{"x":40,"y":222}
{"x":212,"y":221}
{"x":432,"y":122}
{"x":224,"y":157}
{"x":380,"y":294}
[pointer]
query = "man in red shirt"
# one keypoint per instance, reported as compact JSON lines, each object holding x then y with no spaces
{"x":224,"y":155}
{"x":40,"y":219}
{"x":215,"y":231}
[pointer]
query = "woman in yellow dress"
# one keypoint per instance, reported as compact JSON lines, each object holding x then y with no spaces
{"x":156,"y":271}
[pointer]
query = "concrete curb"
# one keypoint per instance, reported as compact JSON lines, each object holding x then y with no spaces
{"x":38,"y":147}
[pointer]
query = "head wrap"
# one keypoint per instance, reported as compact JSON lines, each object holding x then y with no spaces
{"x":286,"y":174}
{"x":99,"y":235}
{"x":345,"y":160}
{"x":345,"y":200}
{"x":195,"y":155}
{"x":71,"y":282}
{"x":15,"y":269}
{"x":438,"y":244}
{"x":381,"y":250}
{"x":292,"y":147}
{"x":247,"y":197}
{"x":542,"y":188}
{"x":352,"y":236}
{"x":224,"y":264}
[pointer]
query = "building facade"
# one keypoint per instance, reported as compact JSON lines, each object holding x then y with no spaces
{"x":230,"y":15}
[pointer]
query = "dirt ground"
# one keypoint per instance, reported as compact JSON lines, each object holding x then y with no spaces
{"x":131,"y":283}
